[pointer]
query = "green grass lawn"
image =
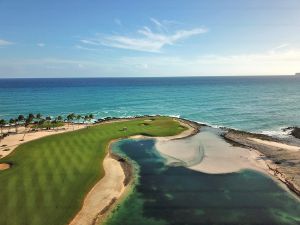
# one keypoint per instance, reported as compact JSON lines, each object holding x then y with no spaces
{"x":50,"y":176}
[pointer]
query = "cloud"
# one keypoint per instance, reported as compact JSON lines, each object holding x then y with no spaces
{"x":280,"y":47}
{"x":84,"y":48}
{"x":282,"y":62}
{"x":147,"y":40}
{"x":5,"y":43}
{"x":41,"y":45}
{"x":118,"y":21}
{"x":159,"y":25}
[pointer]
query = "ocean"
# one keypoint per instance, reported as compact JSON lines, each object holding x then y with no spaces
{"x":264,"y":104}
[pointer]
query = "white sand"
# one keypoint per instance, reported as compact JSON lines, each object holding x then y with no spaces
{"x":276,"y":144}
{"x":213,"y":155}
{"x":109,"y":188}
{"x":9,"y":143}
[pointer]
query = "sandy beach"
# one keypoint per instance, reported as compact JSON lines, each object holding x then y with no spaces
{"x":281,"y":158}
{"x":11,"y":142}
{"x":207,"y":152}
{"x":103,"y":195}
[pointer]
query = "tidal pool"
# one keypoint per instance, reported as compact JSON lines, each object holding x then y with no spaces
{"x":175,"y":195}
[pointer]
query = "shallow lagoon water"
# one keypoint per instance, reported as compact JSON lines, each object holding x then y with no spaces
{"x":180,"y":196}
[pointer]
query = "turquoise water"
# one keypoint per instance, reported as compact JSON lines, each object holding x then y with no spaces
{"x":179,"y":196}
{"x":248,"y":103}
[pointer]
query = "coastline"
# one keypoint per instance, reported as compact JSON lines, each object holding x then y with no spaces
{"x":12,"y":141}
{"x":31,"y":136}
{"x":125,"y":174}
{"x":104,"y":194}
{"x":280,"y":158}
{"x":106,"y":204}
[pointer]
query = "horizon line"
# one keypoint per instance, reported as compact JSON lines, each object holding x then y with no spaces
{"x":179,"y":76}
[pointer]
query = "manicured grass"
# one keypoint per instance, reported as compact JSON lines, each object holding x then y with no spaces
{"x":50,"y":176}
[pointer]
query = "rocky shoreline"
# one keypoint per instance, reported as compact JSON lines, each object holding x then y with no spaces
{"x":295,"y":131}
{"x":126,"y":166}
{"x":281,"y":156}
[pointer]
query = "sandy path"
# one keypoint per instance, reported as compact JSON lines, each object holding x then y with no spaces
{"x":11,"y":142}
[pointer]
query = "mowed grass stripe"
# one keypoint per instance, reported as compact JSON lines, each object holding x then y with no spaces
{"x":50,"y":176}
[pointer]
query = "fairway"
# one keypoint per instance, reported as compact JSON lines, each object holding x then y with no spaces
{"x":50,"y":176}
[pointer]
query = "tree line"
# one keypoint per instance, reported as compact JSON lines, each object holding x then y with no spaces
{"x":38,"y":121}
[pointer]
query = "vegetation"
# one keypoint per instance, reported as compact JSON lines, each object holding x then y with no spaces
{"x":2,"y":124}
{"x":50,"y":176}
{"x":39,"y":122}
{"x":48,"y":125}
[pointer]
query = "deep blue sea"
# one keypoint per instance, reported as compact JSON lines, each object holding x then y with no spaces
{"x":260,"y":104}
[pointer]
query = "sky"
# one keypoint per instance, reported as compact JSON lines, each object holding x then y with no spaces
{"x":104,"y":38}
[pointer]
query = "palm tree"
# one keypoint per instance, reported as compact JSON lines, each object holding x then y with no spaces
{"x":48,"y":121}
{"x":57,"y":120}
{"x":69,"y":118}
{"x":91,"y":116}
{"x":2,"y":124}
{"x":86,"y":118}
{"x":12,"y":121}
{"x":28,"y":121}
{"x":78,"y":117}
{"x":19,"y":120}
{"x":73,"y":116}
{"x":38,"y":117}
{"x":54,"y":122}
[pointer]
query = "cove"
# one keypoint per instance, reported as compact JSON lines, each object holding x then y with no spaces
{"x":170,"y":195}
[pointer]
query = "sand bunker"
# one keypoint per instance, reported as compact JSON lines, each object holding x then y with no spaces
{"x":207,"y":152}
{"x":4,"y":166}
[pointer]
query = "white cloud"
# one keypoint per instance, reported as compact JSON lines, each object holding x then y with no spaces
{"x":281,"y":62}
{"x":118,"y":21}
{"x":279,"y":47}
{"x":147,"y":39}
{"x":5,"y":43}
{"x":159,"y":25}
{"x":84,"y":48}
{"x":41,"y":45}
{"x":266,"y":63}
